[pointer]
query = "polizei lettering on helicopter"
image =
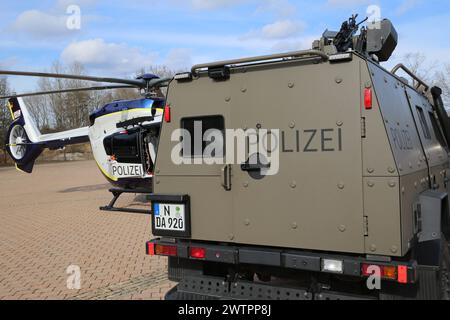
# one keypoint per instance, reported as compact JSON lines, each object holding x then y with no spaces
{"x":123,"y":170}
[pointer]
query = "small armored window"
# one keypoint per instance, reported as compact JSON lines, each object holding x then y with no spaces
{"x":423,"y":123}
{"x":203,"y":137}
{"x":437,"y":130}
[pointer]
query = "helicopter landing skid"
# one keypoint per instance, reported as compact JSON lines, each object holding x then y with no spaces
{"x":117,"y":192}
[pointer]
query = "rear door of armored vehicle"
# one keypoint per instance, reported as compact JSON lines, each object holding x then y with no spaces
{"x":199,"y":101}
{"x":315,"y":200}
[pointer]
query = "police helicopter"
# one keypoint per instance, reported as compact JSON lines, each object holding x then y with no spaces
{"x":123,"y":134}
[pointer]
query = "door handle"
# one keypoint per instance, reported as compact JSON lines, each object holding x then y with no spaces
{"x":226,"y":177}
{"x":254,"y":167}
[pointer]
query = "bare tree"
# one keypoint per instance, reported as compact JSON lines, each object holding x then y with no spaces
{"x":433,"y":73}
{"x":40,"y":111}
{"x":61,"y":111}
{"x":159,"y":70}
{"x":443,"y":81}
{"x":419,"y":64}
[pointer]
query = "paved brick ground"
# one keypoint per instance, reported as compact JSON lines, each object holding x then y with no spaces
{"x":50,"y":220}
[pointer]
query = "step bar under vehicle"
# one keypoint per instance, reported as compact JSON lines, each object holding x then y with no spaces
{"x":213,"y":288}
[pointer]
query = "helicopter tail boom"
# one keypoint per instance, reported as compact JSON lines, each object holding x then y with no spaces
{"x":25,"y":143}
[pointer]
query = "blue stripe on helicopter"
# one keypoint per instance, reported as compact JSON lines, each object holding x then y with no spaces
{"x":125,"y":105}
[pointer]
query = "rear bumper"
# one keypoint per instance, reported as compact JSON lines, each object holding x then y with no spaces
{"x":210,"y":288}
{"x":278,"y":258}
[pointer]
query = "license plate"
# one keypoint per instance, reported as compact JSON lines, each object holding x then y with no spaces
{"x":169,"y":217}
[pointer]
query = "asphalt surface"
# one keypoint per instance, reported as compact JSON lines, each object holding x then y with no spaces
{"x":53,"y":238}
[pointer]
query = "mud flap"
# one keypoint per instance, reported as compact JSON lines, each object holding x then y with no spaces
{"x":433,"y":210}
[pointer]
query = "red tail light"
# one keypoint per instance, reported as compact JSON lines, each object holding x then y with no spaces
{"x":402,"y":274}
{"x":368,"y":98}
{"x":198,"y":253}
{"x":396,"y":273}
{"x":150,"y":248}
{"x":365,"y":270}
{"x":165,"y":250}
{"x":167,"y":115}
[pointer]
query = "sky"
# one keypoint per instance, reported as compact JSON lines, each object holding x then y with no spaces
{"x":118,"y":38}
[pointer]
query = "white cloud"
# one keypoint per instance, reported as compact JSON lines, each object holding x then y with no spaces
{"x":82,"y":3}
{"x":179,"y":59}
{"x":407,"y":5}
{"x":279,"y":30}
{"x":199,"y":4}
{"x":435,"y":50}
{"x":280,"y":8}
{"x":110,"y":58}
{"x":347,"y":3}
{"x":282,"y":29}
{"x":214,"y":4}
{"x":9,"y":62}
{"x":295,"y":44}
{"x":41,"y":24}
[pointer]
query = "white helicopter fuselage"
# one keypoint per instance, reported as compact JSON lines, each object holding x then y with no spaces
{"x":106,"y":126}
{"x":123,"y":136}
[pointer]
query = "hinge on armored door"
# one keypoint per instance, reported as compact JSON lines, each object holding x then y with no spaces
{"x":366,"y":226}
{"x":363,"y":127}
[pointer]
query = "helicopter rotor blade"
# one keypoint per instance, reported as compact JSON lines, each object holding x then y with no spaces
{"x":137,"y":83}
{"x":98,"y":88}
{"x":163,"y":82}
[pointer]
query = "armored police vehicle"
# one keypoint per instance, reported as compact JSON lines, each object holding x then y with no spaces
{"x":350,"y":201}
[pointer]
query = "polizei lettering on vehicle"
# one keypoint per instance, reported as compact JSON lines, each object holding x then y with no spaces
{"x":312,"y":140}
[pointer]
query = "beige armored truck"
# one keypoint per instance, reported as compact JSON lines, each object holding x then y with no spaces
{"x":356,"y":205}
